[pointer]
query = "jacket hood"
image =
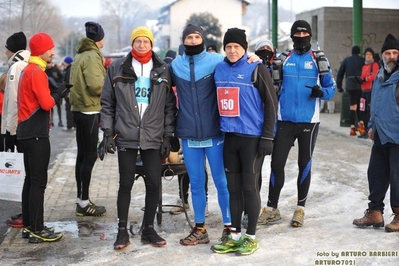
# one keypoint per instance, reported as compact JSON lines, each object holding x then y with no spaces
{"x":22,"y":55}
{"x":86,"y":44}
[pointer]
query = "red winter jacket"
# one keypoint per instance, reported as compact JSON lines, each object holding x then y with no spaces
{"x":369,"y":72}
{"x":34,"y":103}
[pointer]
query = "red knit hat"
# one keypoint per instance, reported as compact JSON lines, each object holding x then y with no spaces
{"x":40,"y":43}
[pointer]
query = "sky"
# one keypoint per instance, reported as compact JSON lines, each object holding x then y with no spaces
{"x":93,"y":7}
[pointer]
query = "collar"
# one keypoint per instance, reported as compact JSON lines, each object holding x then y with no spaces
{"x":38,"y":61}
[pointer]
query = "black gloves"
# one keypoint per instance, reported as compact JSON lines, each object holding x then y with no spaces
{"x":9,"y":141}
{"x":165,"y":148}
{"x":316,"y":92}
{"x":61,"y":91}
{"x":265,"y":147}
{"x":360,"y":80}
{"x":341,"y":90}
{"x":109,"y":141}
{"x":174,"y":144}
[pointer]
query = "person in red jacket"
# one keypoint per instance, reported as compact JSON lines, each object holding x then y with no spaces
{"x":369,"y":72}
{"x":35,"y":101}
{"x":3,"y":78}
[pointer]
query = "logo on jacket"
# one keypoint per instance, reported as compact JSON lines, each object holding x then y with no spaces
{"x":308,"y":65}
{"x":11,"y":77}
{"x":240,"y":76}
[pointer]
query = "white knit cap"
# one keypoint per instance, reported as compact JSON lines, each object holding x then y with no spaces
{"x":262,"y":42}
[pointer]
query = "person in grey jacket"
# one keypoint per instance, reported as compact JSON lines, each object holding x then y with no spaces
{"x":138,"y":115}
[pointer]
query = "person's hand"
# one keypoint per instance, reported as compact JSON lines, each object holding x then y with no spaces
{"x":9,"y":141}
{"x":340,"y":89}
{"x":316,"y":92}
{"x":109,"y":141}
{"x":61,"y":91}
{"x":165,"y":148}
{"x":254,"y":58}
{"x":371,"y":134}
{"x":174,"y":144}
{"x":265,"y":147}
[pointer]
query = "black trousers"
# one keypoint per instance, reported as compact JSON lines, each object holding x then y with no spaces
{"x":287,"y":133}
{"x":86,"y":140}
{"x":242,"y":165}
{"x":36,"y":160}
{"x":152,"y":164}
{"x":69,"y":116}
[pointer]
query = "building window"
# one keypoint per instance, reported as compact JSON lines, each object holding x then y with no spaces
{"x":315,"y":29}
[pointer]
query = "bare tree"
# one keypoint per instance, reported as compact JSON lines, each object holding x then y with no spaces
{"x":210,"y":25}
{"x":121,"y":17}
{"x":29,"y":16}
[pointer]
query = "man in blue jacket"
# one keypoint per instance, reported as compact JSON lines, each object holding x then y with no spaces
{"x":303,"y":86}
{"x":199,"y":129}
{"x":383,"y":170}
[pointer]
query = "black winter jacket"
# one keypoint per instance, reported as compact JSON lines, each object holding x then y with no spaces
{"x":351,"y":67}
{"x":120,"y":109}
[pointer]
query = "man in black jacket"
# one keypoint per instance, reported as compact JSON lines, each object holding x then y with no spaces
{"x":351,"y":67}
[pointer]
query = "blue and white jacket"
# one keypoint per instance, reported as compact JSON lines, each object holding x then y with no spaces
{"x":299,"y":71}
{"x":193,"y":76}
{"x":251,"y":117}
{"x":384,"y":109}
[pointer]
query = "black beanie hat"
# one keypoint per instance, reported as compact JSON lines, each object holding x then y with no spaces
{"x":190,"y":28}
{"x":355,"y":49}
{"x":368,"y":49}
{"x":390,"y":43}
{"x":301,"y":25}
{"x":171,"y":54}
{"x":235,"y":35}
{"x":94,"y":31}
{"x":16,"y":42}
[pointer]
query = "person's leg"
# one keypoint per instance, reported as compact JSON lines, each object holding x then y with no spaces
{"x":306,"y":143}
{"x":89,"y":135}
{"x":37,"y":152}
{"x":378,"y":177}
{"x":79,"y":155}
{"x":378,"y":181}
{"x":394,"y":175}
{"x":127,"y":169}
{"x":69,"y":116}
{"x":283,"y":141}
{"x":232,"y":165}
{"x":152,"y":163}
{"x":251,"y":165}
{"x":194,"y":160}
{"x":59,"y":111}
{"x":26,"y":186}
{"x":215,"y":159}
{"x":393,"y":226}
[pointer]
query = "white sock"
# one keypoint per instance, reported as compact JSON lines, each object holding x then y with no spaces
{"x":83,"y":203}
{"x":251,"y":236}
{"x":300,"y":207}
{"x":270,"y":208}
{"x":235,"y":236}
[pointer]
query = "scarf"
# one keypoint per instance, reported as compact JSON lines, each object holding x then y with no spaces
{"x":194,"y":49}
{"x":142,"y":57}
{"x":38,"y":61}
